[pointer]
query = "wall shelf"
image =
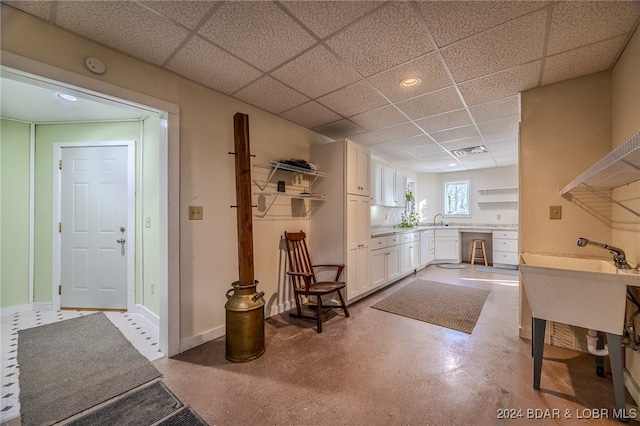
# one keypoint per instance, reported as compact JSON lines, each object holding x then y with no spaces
{"x":593,"y":189}
{"x":299,"y":181}
{"x":505,"y":198}
{"x":498,"y":191}
{"x":313,"y":175}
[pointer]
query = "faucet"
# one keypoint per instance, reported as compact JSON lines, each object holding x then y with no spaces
{"x":434,"y":219}
{"x":618,"y":254}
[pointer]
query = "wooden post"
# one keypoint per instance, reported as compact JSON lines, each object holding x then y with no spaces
{"x":243,"y":199}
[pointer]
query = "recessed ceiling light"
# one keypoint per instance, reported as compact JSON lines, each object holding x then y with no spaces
{"x":452,"y":164}
{"x":66,"y":97}
{"x":410,"y":82}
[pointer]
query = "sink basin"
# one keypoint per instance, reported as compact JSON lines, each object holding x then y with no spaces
{"x":589,"y":293}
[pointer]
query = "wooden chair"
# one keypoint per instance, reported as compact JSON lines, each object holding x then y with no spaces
{"x":303,"y":278}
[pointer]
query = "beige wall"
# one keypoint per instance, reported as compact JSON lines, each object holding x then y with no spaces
{"x":565,"y":128}
{"x":208,"y":253}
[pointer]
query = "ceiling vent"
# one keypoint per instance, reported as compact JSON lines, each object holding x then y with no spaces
{"x":471,"y":150}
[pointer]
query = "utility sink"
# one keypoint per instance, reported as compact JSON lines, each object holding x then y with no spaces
{"x":589,"y":293}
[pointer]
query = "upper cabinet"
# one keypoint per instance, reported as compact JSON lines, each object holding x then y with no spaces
{"x":388,"y":186}
{"x":358,"y":169}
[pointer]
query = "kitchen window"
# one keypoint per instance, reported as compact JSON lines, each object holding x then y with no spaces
{"x":456,"y":198}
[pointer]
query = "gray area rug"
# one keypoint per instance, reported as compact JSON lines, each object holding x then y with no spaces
{"x":452,"y":306}
{"x":144,"y":406}
{"x":491,"y":269}
{"x":69,"y":366}
{"x":453,"y":265}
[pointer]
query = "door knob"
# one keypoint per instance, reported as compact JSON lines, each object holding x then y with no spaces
{"x":121,"y":241}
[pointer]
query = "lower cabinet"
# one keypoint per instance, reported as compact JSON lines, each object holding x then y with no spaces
{"x":447,"y":245}
{"x":505,"y":249}
{"x":391,"y":259}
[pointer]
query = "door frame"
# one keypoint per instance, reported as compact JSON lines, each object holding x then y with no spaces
{"x":169,"y":220}
{"x":56,"y":217}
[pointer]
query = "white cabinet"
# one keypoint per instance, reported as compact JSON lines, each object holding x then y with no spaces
{"x":447,"y":245}
{"x":393,"y":259}
{"x":376,"y":184}
{"x":358,"y":168}
{"x":505,"y":249}
{"x":409,"y":252}
{"x":394,"y":185}
{"x":339,"y":230}
{"x":378,"y":261}
{"x":358,"y":231}
{"x":427,"y":248}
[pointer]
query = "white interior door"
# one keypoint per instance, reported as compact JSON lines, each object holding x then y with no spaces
{"x":93,"y":212}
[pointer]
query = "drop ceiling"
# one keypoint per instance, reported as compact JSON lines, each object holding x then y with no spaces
{"x":335,"y":66}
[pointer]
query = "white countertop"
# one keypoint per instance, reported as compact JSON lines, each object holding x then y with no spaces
{"x":480,"y":227}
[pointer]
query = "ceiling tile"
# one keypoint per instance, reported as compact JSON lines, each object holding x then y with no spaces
{"x":326,"y":17}
{"x":502,"y":84}
{"x":399,"y":156}
{"x":508,"y":136}
{"x":310,"y":115}
{"x":431,"y":104}
{"x":387,"y":134}
{"x":124,"y":26}
{"x":514,"y":43}
{"x":353,"y":99}
{"x":200,"y":61}
{"x":444,"y":121}
{"x":583,"y":61}
{"x":428,"y":68}
{"x":387,"y":37}
{"x":339,"y":129}
{"x":413,"y":142}
{"x":379,"y":118}
{"x":451,"y":21}
{"x":259,"y":32}
{"x":260,"y":93}
{"x":316,"y":73}
{"x":502,"y":146}
{"x":455,"y":134}
{"x":41,"y":9}
{"x":578,"y":23}
{"x":187,"y":13}
{"x":427,"y":150}
{"x":499,"y":125}
{"x":496,"y":109}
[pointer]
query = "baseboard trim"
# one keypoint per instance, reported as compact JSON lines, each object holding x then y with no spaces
{"x":10,"y":310}
{"x":145,"y":312}
{"x":199,"y":339}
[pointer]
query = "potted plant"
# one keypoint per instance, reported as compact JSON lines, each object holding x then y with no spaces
{"x":410,"y":217}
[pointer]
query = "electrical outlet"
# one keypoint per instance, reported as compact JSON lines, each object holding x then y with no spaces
{"x":152,"y":285}
{"x":147,"y":222}
{"x":555,"y":212}
{"x":195,"y":212}
{"x":498,"y":217}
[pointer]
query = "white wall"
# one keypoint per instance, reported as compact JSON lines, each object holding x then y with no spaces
{"x":430,"y":195}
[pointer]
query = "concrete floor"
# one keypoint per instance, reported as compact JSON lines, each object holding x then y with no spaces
{"x":377,"y":368}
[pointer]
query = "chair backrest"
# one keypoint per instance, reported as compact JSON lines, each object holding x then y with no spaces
{"x":299,"y":258}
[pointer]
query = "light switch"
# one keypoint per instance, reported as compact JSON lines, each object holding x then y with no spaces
{"x":555,"y":212}
{"x":147,"y":222}
{"x":195,"y":212}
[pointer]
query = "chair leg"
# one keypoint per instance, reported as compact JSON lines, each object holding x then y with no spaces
{"x":344,"y":305}
{"x":298,"y":307}
{"x":319,"y":313}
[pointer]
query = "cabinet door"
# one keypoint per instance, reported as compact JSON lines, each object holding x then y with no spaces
{"x":414,"y":255}
{"x":388,"y":175}
{"x":447,"y":248}
{"x":378,"y":267}
{"x":399,"y":188}
{"x":358,"y":236}
{"x":393,"y":263}
{"x":376,"y":184}
{"x":405,"y":258}
{"x":358,"y":169}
